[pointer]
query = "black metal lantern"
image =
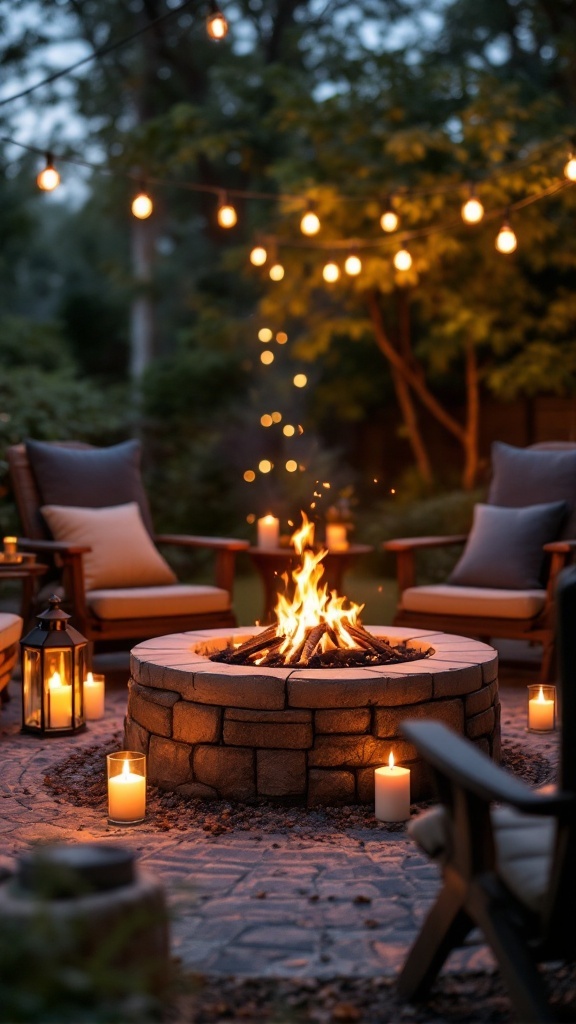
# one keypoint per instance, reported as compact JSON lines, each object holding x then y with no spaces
{"x":53,"y":673}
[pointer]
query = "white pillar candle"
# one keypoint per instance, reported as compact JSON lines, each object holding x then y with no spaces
{"x":268,"y":532}
{"x":336,"y":537}
{"x":541,"y":713}
{"x":59,"y":703}
{"x":126,"y":796}
{"x":392,"y":792}
{"x":93,"y":697}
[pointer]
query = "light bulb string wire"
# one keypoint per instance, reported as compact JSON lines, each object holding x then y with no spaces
{"x":102,"y":51}
{"x":250,"y":194}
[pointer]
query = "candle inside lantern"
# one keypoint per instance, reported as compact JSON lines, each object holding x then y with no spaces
{"x":541,"y":708}
{"x":126,"y":788}
{"x":10,"y":546}
{"x":336,"y":537}
{"x":59,"y":703}
{"x":93,"y":697}
{"x":392,"y":792}
{"x":268,"y":532}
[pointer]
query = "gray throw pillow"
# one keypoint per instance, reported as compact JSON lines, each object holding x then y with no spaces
{"x":504,"y":548}
{"x":528,"y":476}
{"x":89,"y":477}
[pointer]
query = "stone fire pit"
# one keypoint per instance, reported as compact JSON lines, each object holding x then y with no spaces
{"x":300,"y":735}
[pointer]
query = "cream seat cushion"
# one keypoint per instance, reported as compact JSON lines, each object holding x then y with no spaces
{"x":10,"y":630}
{"x":150,"y":602}
{"x":524,"y":848}
{"x":441,"y":598}
{"x":121,"y":554}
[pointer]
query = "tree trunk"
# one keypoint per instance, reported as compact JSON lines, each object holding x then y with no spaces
{"x":471,"y":454}
{"x":142,"y":321}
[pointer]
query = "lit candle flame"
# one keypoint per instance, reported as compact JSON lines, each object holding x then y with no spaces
{"x":55,"y":682}
{"x":541,"y":698}
{"x":126,"y":769}
{"x":391,"y":760}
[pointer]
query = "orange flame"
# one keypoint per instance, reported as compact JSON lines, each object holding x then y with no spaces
{"x":312,"y":605}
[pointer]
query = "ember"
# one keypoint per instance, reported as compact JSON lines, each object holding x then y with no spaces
{"x":316,"y":629}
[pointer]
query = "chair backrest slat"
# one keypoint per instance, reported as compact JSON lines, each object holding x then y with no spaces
{"x":26,"y":493}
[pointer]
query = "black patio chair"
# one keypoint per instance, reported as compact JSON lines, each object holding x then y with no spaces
{"x":507,"y":869}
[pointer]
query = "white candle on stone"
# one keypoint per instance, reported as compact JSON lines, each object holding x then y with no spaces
{"x":392,"y":792}
{"x":93,"y":697}
{"x":268,"y":532}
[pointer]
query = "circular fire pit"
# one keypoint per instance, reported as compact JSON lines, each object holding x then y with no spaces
{"x":216,"y":730}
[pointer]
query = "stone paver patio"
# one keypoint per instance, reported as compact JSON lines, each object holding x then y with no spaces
{"x":248,"y":903}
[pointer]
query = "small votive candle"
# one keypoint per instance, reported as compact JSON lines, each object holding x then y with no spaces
{"x":392,"y":792}
{"x":93,"y":697}
{"x":336,"y":537}
{"x":541,"y":707}
{"x":10,"y":547}
{"x":268,"y":532}
{"x":126,"y":787}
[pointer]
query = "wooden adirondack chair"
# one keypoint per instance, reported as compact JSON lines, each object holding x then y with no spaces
{"x":507,"y":869}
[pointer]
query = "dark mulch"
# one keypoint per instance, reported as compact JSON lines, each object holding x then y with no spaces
{"x":478,"y":998}
{"x":80,"y":779}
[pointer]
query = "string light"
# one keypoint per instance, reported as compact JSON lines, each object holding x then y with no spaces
{"x":265,"y":466}
{"x":266,"y":420}
{"x":249,"y":476}
{"x":276,"y":272}
{"x":402,"y":260}
{"x":264,"y":334}
{"x":276,"y":417}
{"x":331,"y":272}
{"x":353,"y":265}
{"x":288,"y":430}
{"x":472,"y":210}
{"x":291,"y":466}
{"x":300,"y":381}
{"x":310,"y":223}
{"x":227,"y":216}
{"x":506,"y":240}
{"x":142,"y":205}
{"x":281,"y":337}
{"x":267,"y":357}
{"x":258,"y":256}
{"x":216,"y":24}
{"x":48,"y":178}
{"x":570,"y":167}
{"x":389,"y":220}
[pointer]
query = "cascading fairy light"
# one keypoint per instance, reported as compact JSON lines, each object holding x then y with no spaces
{"x":506,"y":241}
{"x":310,"y":223}
{"x":402,"y":259}
{"x":226,"y":213}
{"x":142,"y":205}
{"x":48,"y":179}
{"x":389,"y":220}
{"x":216,"y":24}
{"x":472,"y":210}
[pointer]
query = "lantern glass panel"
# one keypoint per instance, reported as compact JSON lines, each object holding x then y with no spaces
{"x":32,"y":688}
{"x":58,"y":695}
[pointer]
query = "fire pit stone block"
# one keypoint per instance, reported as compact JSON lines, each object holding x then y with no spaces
{"x":223,"y":731}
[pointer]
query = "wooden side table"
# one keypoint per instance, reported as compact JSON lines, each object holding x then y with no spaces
{"x":29,"y":573}
{"x":273,"y":563}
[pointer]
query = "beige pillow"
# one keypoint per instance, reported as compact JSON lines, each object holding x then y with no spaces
{"x":122,"y":553}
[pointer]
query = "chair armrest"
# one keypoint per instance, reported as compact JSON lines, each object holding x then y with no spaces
{"x":464,"y":765}
{"x":55,"y":547}
{"x":225,"y":548}
{"x":405,"y":549}
{"x":186,"y":540}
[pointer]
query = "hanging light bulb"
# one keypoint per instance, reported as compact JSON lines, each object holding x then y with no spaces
{"x":48,"y":179}
{"x":353,"y":265}
{"x":310,"y":223}
{"x":472,"y":210}
{"x":331,"y":272}
{"x":402,"y":260}
{"x":570,"y":167}
{"x":226,"y":215}
{"x":258,"y":256}
{"x":389,"y":220}
{"x":142,"y":205}
{"x":506,"y":240}
{"x":216,"y":24}
{"x":276,"y":271}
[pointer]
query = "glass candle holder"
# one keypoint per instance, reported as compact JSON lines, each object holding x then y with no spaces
{"x":126,"y":787}
{"x":541,"y":707}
